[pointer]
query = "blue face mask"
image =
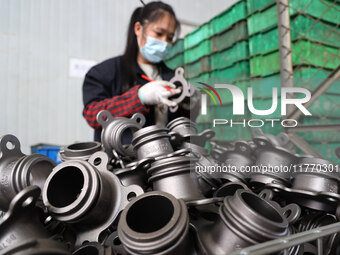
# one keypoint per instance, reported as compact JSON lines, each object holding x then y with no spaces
{"x":154,"y":50}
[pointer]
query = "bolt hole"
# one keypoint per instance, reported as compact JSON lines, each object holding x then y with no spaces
{"x":243,"y":148}
{"x":138,"y":120}
{"x":10,"y":145}
{"x":131,"y":196}
{"x":287,"y":213}
{"x":117,"y":241}
{"x":104,"y":118}
{"x":97,"y":161}
{"x":27,"y":202}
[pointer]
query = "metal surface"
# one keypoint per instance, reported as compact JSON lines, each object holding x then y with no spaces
{"x":281,"y":244}
{"x":21,"y":229}
{"x":173,"y":175}
{"x":117,"y":132}
{"x":94,"y":248}
{"x":181,"y":83}
{"x":87,"y":196}
{"x":269,"y":156}
{"x":244,"y":219}
{"x":312,"y":187}
{"x":80,"y":151}
{"x":156,"y":223}
{"x":152,"y":141}
{"x":18,"y":171}
{"x":187,"y":130}
{"x":135,"y":173}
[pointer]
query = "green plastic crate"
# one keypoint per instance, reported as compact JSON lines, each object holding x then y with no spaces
{"x":328,"y":150}
{"x":317,"y":136}
{"x":237,"y":52}
{"x":256,"y":5}
{"x":237,"y":32}
{"x":303,"y":52}
{"x":198,"y":67}
{"x":175,"y":61}
{"x":237,"y":71}
{"x":269,"y":40}
{"x":307,"y":77}
{"x":177,"y":48}
{"x":229,"y":17}
{"x":197,"y":35}
{"x":327,"y":105}
{"x":266,"y":19}
{"x":200,"y":50}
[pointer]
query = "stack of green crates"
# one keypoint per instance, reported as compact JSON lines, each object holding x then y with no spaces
{"x":175,"y":57}
{"x":225,"y":60}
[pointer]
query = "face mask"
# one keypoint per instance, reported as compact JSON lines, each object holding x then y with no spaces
{"x":154,"y":50}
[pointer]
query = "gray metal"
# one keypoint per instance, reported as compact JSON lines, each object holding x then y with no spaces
{"x":332,"y":77}
{"x":315,"y":185}
{"x":18,"y":171}
{"x":135,"y":173}
{"x":94,"y":248}
{"x":244,"y":219}
{"x":156,"y":223}
{"x":21,"y":229}
{"x":286,"y":67}
{"x":87,"y":196}
{"x":281,"y":244}
{"x":229,"y":189}
{"x":316,"y":220}
{"x":181,"y":83}
{"x":173,"y":175}
{"x":188,"y":131}
{"x":281,"y":139}
{"x":117,"y":129}
{"x":151,"y":142}
{"x":79,"y":151}
{"x":269,"y":155}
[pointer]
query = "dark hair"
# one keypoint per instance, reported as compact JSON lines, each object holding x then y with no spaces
{"x":149,"y":13}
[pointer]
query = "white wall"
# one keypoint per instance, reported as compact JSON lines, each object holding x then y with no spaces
{"x":39,"y":101}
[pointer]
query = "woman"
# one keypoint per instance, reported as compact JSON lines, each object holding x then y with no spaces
{"x":117,"y":84}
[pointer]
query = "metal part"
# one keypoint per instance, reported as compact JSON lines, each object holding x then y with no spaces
{"x":187,"y":129}
{"x":94,"y":248}
{"x":240,"y":156}
{"x":87,"y":196}
{"x":180,"y":82}
{"x":269,"y":157}
{"x":284,"y":243}
{"x":117,"y":132}
{"x":281,"y":140}
{"x":156,"y":223}
{"x":18,"y":171}
{"x":21,"y":229}
{"x":316,"y":220}
{"x":79,"y":151}
{"x":229,"y":189}
{"x":244,"y":219}
{"x":173,"y":175}
{"x":135,"y":173}
{"x":151,"y":142}
{"x":313,"y":187}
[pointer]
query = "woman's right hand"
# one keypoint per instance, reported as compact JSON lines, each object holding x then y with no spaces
{"x":158,"y":92}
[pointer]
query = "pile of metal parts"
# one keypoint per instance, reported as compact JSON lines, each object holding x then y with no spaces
{"x":153,"y":190}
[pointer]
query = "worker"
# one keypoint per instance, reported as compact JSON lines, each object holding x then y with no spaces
{"x":117,"y":85}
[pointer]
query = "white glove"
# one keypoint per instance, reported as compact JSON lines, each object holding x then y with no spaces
{"x":155,"y":92}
